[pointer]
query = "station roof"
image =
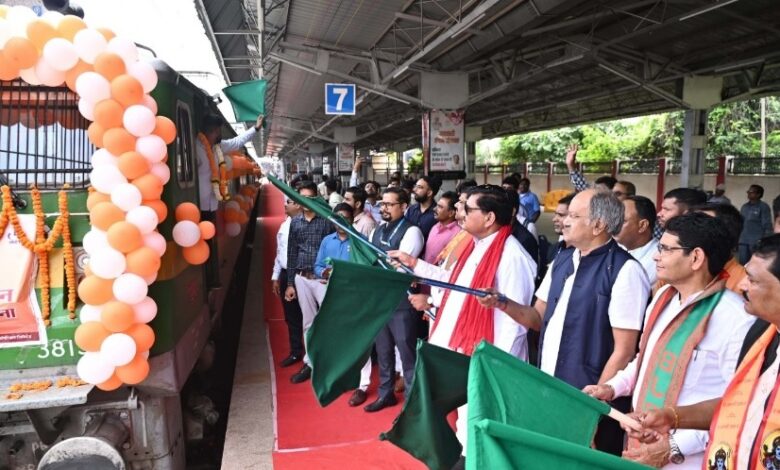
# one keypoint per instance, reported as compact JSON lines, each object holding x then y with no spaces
{"x":531,"y":64}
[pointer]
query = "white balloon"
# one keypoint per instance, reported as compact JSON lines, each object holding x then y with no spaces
{"x":107,"y":177}
{"x":139,"y":120}
{"x":144,"y":73}
{"x":87,"y":109}
{"x":126,"y":196}
{"x":161,"y":171}
{"x":60,"y":54}
{"x":90,"y":313}
{"x":186,"y":233}
{"x":6,"y":32}
{"x":47,"y":74}
{"x":150,"y":103}
{"x":93,"y":87}
{"x":118,"y":349}
{"x":124,"y":48}
{"x":143,"y":217}
{"x":156,"y":241}
{"x":130,"y":288}
{"x":29,"y":76}
{"x":232,"y":229}
{"x":19,"y":17}
{"x":53,"y":17}
{"x":145,"y":310}
{"x":89,"y":44}
{"x":107,"y":263}
{"x":93,"y":369}
{"x":94,"y":241}
{"x":103,"y":157}
{"x":152,"y":147}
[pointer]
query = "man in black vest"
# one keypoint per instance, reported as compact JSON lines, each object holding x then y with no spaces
{"x":396,"y":233}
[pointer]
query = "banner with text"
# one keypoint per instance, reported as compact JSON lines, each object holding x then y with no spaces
{"x":447,"y":141}
{"x":346,"y":158}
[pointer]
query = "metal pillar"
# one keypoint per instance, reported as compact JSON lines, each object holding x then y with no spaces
{"x":694,"y":149}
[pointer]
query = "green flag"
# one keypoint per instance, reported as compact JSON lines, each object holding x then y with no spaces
{"x":358,"y":302}
{"x":505,"y":389}
{"x":439,"y":387}
{"x":247,"y":98}
{"x":499,"y":446}
{"x":359,"y":251}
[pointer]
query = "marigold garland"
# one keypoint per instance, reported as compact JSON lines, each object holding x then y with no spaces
{"x":43,"y":244}
{"x":219,"y":175}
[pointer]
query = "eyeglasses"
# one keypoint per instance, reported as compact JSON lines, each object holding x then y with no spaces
{"x":388,"y":204}
{"x":468,"y":209}
{"x":668,"y":249}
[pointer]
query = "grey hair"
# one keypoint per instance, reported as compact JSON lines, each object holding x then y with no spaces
{"x":606,"y":207}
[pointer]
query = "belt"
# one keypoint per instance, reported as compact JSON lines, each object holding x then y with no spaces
{"x":306,"y":274}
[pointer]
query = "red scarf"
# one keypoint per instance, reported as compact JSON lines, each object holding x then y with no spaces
{"x":475,"y":322}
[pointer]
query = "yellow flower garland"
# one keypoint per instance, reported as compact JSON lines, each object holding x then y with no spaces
{"x":219,"y":176}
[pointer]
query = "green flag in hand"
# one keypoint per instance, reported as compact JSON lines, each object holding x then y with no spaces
{"x":503,"y":447}
{"x":505,"y":389}
{"x":247,"y":98}
{"x":359,"y":301}
{"x":439,"y":387}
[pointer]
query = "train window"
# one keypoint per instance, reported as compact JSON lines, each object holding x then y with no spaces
{"x":43,"y":137}
{"x":185,"y":166}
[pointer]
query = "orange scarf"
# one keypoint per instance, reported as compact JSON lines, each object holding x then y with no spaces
{"x":218,"y":170}
{"x":475,"y":322}
{"x":729,"y":420}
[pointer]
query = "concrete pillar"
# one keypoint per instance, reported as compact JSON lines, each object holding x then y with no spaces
{"x":445,"y":92}
{"x":473,"y":134}
{"x":661,"y":186}
{"x":694,"y":149}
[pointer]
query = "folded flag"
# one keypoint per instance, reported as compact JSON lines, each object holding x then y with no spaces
{"x":438,"y":388}
{"x":507,"y":390}
{"x":358,"y":302}
{"x":500,"y":446}
{"x":247,"y":98}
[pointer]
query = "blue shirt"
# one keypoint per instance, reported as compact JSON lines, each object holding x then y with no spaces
{"x":530,"y":204}
{"x":331,"y":247}
{"x":424,"y":220}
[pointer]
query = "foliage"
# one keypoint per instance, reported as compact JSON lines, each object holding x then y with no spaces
{"x":415,"y":164}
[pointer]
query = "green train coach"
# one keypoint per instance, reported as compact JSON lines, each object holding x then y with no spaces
{"x":61,"y":422}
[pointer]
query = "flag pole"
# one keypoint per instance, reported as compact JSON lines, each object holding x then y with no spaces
{"x":624,"y":419}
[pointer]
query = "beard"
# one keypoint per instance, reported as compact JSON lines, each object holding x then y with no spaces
{"x":421,"y":199}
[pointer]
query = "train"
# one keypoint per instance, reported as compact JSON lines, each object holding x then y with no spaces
{"x":48,"y":418}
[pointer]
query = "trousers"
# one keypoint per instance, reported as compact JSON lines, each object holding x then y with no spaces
{"x":400,"y":332}
{"x":293,"y":318}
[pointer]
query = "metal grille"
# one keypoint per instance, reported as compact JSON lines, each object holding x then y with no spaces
{"x":639,"y":167}
{"x":43,"y":137}
{"x":755,"y":166}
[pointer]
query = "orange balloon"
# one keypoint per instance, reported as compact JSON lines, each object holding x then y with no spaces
{"x":21,"y":52}
{"x":96,"y":133}
{"x":8,"y":71}
{"x":124,"y":237}
{"x":165,"y":129}
{"x":143,"y":335}
{"x":96,"y":197}
{"x":95,"y":290}
{"x":144,"y":261}
{"x":108,"y":113}
{"x":207,"y":230}
{"x":110,"y":65}
{"x":40,"y":32}
{"x":133,"y":165}
{"x":70,"y":25}
{"x":135,"y":372}
{"x":107,"y":33}
{"x":118,"y":141}
{"x":150,"y":186}
{"x":187,"y":211}
{"x":159,"y":207}
{"x":117,"y":316}
{"x":74,"y":73}
{"x":127,"y":90}
{"x":104,"y":215}
{"x":243,"y":218}
{"x":90,"y":335}
{"x":111,"y":384}
{"x":232,"y":215}
{"x":197,"y":253}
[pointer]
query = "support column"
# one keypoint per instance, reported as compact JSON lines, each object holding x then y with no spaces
{"x":443,"y":127}
{"x":694,"y":149}
{"x":660,"y":187}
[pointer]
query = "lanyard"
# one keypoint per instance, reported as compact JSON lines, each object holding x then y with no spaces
{"x":395,"y":230}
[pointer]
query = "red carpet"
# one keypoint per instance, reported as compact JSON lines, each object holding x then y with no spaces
{"x":309,"y":436}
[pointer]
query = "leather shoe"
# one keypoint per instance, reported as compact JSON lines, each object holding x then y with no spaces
{"x":381,"y":403}
{"x":460,"y":464}
{"x":399,"y":385}
{"x":302,"y":375}
{"x":358,"y":398}
{"x":290,"y":360}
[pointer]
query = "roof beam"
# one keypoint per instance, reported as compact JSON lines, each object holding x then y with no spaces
{"x":432,"y":22}
{"x":661,"y":93}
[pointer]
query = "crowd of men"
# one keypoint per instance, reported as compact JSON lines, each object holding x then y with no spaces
{"x":652,"y":311}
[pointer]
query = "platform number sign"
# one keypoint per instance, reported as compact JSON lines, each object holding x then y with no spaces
{"x":339,"y":98}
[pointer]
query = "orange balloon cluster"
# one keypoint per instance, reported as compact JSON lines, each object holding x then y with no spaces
{"x":238,"y":209}
{"x":191,"y":234}
{"x":130,"y":171}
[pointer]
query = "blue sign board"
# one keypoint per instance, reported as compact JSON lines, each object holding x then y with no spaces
{"x":340,"y":98}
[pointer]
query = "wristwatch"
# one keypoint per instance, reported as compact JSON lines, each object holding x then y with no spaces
{"x":430,"y":301}
{"x":675,"y":456}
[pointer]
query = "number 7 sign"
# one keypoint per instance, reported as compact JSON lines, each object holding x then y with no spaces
{"x":340,"y":98}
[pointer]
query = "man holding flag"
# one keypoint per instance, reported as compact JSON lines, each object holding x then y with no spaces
{"x":693,"y":333}
{"x":492,"y":259}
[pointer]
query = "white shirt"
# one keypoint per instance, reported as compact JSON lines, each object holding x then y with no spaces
{"x":530,"y":225}
{"x":711,"y":368}
{"x":644,"y":254}
{"x":280,"y":262}
{"x":626,"y":306}
{"x":411,"y":243}
{"x":208,"y":200}
{"x":514,"y":278}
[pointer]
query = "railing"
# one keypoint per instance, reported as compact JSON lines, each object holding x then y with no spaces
{"x":754,"y":166}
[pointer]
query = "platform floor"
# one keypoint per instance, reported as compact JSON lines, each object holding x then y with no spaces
{"x":276,"y":424}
